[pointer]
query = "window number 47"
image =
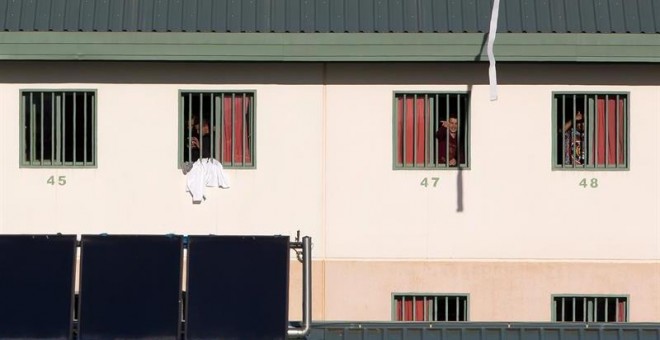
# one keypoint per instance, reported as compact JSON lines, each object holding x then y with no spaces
{"x":425,"y":182}
{"x":61,"y":180}
{"x":592,"y":183}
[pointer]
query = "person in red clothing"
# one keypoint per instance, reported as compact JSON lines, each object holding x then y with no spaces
{"x":451,"y":151}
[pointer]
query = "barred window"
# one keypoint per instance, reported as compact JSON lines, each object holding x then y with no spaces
{"x":431,"y":130}
{"x":218,"y":125}
{"x":430,"y":307}
{"x":58,"y":128}
{"x":591,"y":131}
{"x":572,"y":308}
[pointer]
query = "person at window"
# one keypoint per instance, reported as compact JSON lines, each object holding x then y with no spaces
{"x":574,"y":139}
{"x":201,"y":140}
{"x":450,"y":149}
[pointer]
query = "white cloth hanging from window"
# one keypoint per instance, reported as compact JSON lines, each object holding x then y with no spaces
{"x":206,"y":172}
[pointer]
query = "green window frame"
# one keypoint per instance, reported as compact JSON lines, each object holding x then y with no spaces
{"x":590,"y":308}
{"x":57,"y":128}
{"x":431,"y":130}
{"x":599,"y":140}
{"x":227,"y":119}
{"x":430,"y":307}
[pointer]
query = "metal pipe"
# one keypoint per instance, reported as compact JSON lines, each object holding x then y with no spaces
{"x":307,"y":292}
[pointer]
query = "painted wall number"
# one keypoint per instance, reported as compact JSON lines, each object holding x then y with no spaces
{"x":593,"y":183}
{"x":61,"y":180}
{"x":425,"y":182}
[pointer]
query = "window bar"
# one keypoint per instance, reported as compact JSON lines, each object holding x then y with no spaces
{"x":625,"y":130}
{"x":403,"y":129}
{"x":596,"y":126}
{"x":607,"y":132}
{"x":427,"y":134}
{"x":190,"y":128}
{"x":244,"y":134}
{"x":616,"y":127}
{"x":607,"y":301}
{"x":435,"y":308}
{"x":458,"y":309}
{"x":41,"y":116}
{"x":74,"y":128}
{"x":572,"y":140}
{"x":212,"y":132}
{"x":459,"y":145}
{"x":414,"y":304}
{"x":201,"y":125}
{"x":52,"y":128}
{"x":436,"y":141}
{"x":596,"y":299}
{"x":447,"y":99}
{"x":466,"y":142}
{"x":222,"y":127}
{"x":563,"y":309}
{"x":233,"y":126}
{"x":58,"y":123}
{"x":616,"y":310}
{"x":426,"y":314}
{"x":573,"y":307}
{"x":584,"y":309}
{"x":251,"y":133}
{"x":217,"y":112}
{"x":585,"y":145}
{"x":403,"y":308}
{"x":414,"y":129}
{"x":85,"y":129}
{"x":64,"y":128}
{"x":446,"y":308}
{"x":563,"y":136}
{"x":465,"y":318}
{"x":31,"y":128}
{"x":92,"y":111}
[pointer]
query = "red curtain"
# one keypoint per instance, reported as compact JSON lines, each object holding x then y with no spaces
{"x":412,"y":120}
{"x":407,"y":305}
{"x":236,"y":107}
{"x":608,"y":122}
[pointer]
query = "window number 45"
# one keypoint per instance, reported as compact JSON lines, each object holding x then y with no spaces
{"x":592,"y":183}
{"x":61,"y":180}
{"x":425,"y":182}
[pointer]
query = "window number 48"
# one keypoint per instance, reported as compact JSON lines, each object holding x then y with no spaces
{"x":61,"y":180}
{"x":593,"y":183}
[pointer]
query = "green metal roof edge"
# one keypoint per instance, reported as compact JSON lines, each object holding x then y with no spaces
{"x":140,"y":46}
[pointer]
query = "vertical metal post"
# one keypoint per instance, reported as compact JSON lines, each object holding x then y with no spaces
{"x":307,"y":291}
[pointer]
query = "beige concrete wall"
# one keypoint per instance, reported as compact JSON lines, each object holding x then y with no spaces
{"x":498,"y":290}
{"x":324,"y":166}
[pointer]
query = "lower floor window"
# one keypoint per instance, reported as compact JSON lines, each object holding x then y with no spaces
{"x":430,"y":307}
{"x":590,"y":308}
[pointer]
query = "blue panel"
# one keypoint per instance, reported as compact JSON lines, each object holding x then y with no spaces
{"x":43,"y":14}
{"x":527,"y":9}
{"x":146,"y":16}
{"x":248,"y":16}
{"x":455,"y":18}
{"x":483,"y":14}
{"x":204,"y":15}
{"x":58,"y":11}
{"x":116,"y":15}
{"x":337,"y":16}
{"x":573,"y":23}
{"x":131,"y":15}
{"x":130,"y":287}
{"x":602,"y":13}
{"x":543,"y":22}
{"x":37,"y":274}
{"x":278,"y":19}
{"x":616,"y":16}
{"x":237,"y":287}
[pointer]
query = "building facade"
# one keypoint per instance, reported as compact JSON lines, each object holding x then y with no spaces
{"x":539,"y":206}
